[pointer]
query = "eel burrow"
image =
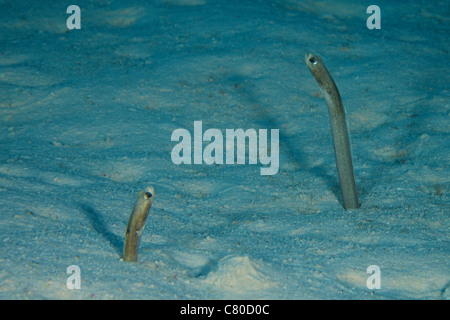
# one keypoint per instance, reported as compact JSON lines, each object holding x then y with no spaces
{"x":339,"y":129}
{"x":136,"y":223}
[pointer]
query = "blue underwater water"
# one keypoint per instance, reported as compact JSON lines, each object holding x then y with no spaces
{"x":88,"y":120}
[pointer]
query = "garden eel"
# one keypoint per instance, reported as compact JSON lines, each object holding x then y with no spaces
{"x":136,"y":223}
{"x":341,"y":139}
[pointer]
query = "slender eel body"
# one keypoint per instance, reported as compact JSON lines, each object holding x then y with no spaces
{"x":136,"y":223}
{"x":341,"y":139}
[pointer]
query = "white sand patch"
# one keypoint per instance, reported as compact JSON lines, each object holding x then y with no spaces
{"x":28,"y":77}
{"x":239,"y":274}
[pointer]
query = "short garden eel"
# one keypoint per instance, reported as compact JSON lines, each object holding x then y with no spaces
{"x":136,"y":223}
{"x":341,"y":139}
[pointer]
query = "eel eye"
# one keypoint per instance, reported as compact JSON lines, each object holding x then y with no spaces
{"x":313,"y":60}
{"x":148,"y":195}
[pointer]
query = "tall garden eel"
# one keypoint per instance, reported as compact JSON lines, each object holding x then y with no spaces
{"x":339,"y":129}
